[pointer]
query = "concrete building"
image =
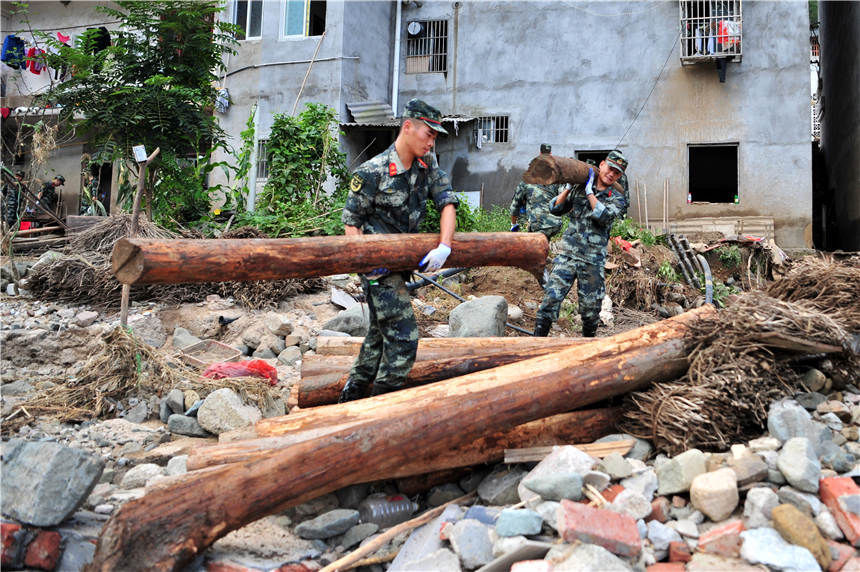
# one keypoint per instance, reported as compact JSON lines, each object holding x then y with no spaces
{"x":839,"y":205}
{"x":587,"y":77}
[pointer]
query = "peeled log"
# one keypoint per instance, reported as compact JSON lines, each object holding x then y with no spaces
{"x":552,"y":170}
{"x":323,"y":377}
{"x":149,"y":261}
{"x":566,"y":428}
{"x":441,"y":348}
{"x":370,"y":438}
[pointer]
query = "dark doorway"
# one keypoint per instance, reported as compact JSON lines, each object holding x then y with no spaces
{"x":367,"y":143}
{"x":713,"y":173}
{"x":596,"y":156}
{"x":316,"y":18}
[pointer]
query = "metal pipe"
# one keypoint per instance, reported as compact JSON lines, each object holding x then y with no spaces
{"x":682,"y":262}
{"x":460,"y":298}
{"x":709,"y":280}
{"x":444,"y":274}
{"x":395,"y":79}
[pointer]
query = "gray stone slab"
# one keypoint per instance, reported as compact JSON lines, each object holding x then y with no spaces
{"x":528,"y":550}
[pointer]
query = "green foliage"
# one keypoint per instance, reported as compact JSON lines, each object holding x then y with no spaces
{"x":813,"y":11}
{"x":238,"y":194}
{"x":469,"y":218}
{"x":667,"y":272}
{"x":628,"y":229}
{"x":181,"y":192}
{"x":721,"y":292}
{"x":154,"y":86}
{"x":730,"y":256}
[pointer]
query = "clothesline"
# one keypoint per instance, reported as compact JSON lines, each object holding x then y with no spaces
{"x":52,"y":29}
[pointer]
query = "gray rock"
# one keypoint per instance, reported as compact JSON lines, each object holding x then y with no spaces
{"x":515,"y":313}
{"x":500,"y":486}
{"x":86,"y":318}
{"x":179,"y":424}
{"x":661,"y":535}
{"x":137,"y":414}
{"x":799,"y":464}
{"x":548,"y":510}
{"x":557,"y":476}
{"x":485,"y":514}
{"x":164,"y":411}
{"x":641,"y":448}
{"x":223,"y":410}
{"x":149,"y":329}
{"x":358,"y":533}
{"x":479,"y":318}
{"x":715,"y":493}
{"x":750,"y":468}
{"x":590,"y":557}
{"x":77,"y":552}
{"x":555,"y":486}
{"x":274,"y":408}
{"x":514,"y":522}
{"x":19,"y":387}
{"x":676,"y":475}
{"x":616,"y":466}
{"x":631,"y":503}
{"x":195,"y":407}
{"x":643,"y":481}
{"x":329,"y":524}
{"x":786,"y":419}
{"x":342,"y":299}
{"x":758,"y":506}
{"x":442,"y":560}
{"x":350,"y":496}
{"x":332,"y":334}
{"x":597,"y":479}
{"x":470,"y":540}
{"x":443,"y":493}
{"x":836,"y":457}
{"x":279,"y":324}
{"x":814,"y":380}
{"x":827,"y":525}
{"x":352,"y":321}
{"x":832,"y":422}
{"x":290,"y":355}
{"x":766,"y":546}
{"x":182,"y":338}
{"x":264,"y":353}
{"x":44,"y":483}
{"x":177,"y":465}
{"x":176,"y":400}
{"x":851,"y":503}
{"x":685,"y":527}
{"x":763,"y":444}
{"x":424,"y":542}
{"x":810,"y":400}
{"x":137,"y":476}
{"x":805,"y":502}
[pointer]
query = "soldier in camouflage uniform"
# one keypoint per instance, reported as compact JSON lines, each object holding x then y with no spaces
{"x":388,"y":195}
{"x":12,"y":199}
{"x":592,"y":209}
{"x":536,"y":200}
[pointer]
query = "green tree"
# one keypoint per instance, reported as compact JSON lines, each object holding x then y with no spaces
{"x":153,"y":86}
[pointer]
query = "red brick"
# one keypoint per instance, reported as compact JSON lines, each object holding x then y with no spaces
{"x":659,"y":509}
{"x":666,"y":567}
{"x":613,"y":531}
{"x":10,"y":543}
{"x":679,"y":552}
{"x":44,"y":552}
{"x":609,"y":493}
{"x":724,"y":540}
{"x":532,"y":566}
{"x":841,"y":553}
{"x":830,"y":489}
{"x":853,"y":565}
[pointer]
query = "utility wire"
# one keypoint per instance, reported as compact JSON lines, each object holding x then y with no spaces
{"x":644,"y":103}
{"x":49,"y":30}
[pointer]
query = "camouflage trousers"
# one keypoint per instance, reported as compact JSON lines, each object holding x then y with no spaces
{"x":590,"y":288}
{"x":391,"y":343}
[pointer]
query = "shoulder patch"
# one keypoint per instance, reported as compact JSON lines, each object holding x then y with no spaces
{"x":356,"y":183}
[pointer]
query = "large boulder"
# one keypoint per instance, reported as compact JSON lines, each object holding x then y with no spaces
{"x":44,"y":483}
{"x":223,"y":410}
{"x":353,"y":321}
{"x":479,"y":318}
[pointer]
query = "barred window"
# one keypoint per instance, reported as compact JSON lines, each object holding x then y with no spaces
{"x":491,"y":129}
{"x":263,"y":158}
{"x":248,"y":16}
{"x":427,"y":46}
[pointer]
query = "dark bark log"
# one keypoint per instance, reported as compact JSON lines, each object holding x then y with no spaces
{"x":441,"y":348}
{"x":323,"y":377}
{"x":148,"y":261}
{"x":552,"y":170}
{"x":168,"y":527}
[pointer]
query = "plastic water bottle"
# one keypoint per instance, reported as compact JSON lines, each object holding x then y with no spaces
{"x":386,"y":511}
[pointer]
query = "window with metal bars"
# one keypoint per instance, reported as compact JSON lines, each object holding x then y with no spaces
{"x":248,"y":16}
{"x":491,"y":129}
{"x":263,"y":158}
{"x":710,"y":29}
{"x":427,"y":46}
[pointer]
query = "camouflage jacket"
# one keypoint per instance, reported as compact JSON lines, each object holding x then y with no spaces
{"x":385,"y":197}
{"x":537,"y":200}
{"x":587,"y":234}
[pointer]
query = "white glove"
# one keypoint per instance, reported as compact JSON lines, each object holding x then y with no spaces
{"x":588,"y":189}
{"x":435,"y":259}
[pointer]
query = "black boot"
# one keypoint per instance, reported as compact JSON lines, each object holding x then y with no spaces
{"x":542,"y":327}
{"x":589,"y":329}
{"x":352,"y":390}
{"x":380,"y":389}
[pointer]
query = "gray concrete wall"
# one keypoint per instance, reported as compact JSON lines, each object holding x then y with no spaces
{"x":575,"y":74}
{"x":840,"y":130}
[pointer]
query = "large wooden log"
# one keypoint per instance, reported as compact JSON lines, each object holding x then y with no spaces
{"x":441,"y":348}
{"x":371,"y":438}
{"x":566,"y":428}
{"x":323,"y":377}
{"x":147,"y":261}
{"x":548,"y":169}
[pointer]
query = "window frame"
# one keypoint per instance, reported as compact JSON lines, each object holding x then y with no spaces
{"x":306,"y":22}
{"x":263,"y":158}
{"x":235,"y":16}
{"x":482,"y":120}
{"x":726,"y":144}
{"x":433,"y":56}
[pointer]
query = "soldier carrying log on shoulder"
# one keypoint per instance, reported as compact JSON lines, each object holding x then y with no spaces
{"x":387,"y":195}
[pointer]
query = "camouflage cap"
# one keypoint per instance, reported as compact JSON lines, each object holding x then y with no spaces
{"x":545,"y":148}
{"x":617,"y":160}
{"x":418,"y":109}
{"x":61,"y":178}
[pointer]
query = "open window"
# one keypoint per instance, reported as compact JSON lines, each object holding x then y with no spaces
{"x":304,"y":18}
{"x":491,"y":129}
{"x":248,"y":15}
{"x":713,"y":173}
{"x":264,"y":157}
{"x":590,"y":155}
{"x":427,"y":46}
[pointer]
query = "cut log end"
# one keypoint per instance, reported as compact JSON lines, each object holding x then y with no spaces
{"x":541,"y":171}
{"x":125,"y":261}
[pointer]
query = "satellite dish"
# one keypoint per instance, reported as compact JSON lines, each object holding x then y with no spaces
{"x":414,"y":28}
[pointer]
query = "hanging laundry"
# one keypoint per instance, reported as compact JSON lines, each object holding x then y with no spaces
{"x":13,"y":52}
{"x":222,"y":100}
{"x":60,"y":73}
{"x":35,"y":63}
{"x":62,"y":38}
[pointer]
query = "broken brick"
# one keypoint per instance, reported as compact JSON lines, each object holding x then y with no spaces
{"x":609,"y":493}
{"x":44,"y":552}
{"x":679,"y":552}
{"x":659,"y":510}
{"x":853,"y":565}
{"x":724,"y":540}
{"x":831,"y":489}
{"x":613,"y":531}
{"x":10,"y":543}
{"x":666,"y":567}
{"x":841,"y":553}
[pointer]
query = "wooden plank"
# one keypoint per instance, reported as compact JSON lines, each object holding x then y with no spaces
{"x":598,"y":450}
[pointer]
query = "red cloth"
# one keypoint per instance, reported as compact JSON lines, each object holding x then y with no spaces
{"x":25,"y":225}
{"x":252,"y":368}
{"x":33,"y":63}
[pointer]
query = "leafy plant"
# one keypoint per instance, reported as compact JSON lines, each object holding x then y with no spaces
{"x":721,"y":292}
{"x":667,"y":272}
{"x":730,"y":256}
{"x":628,"y":229}
{"x":469,"y":218}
